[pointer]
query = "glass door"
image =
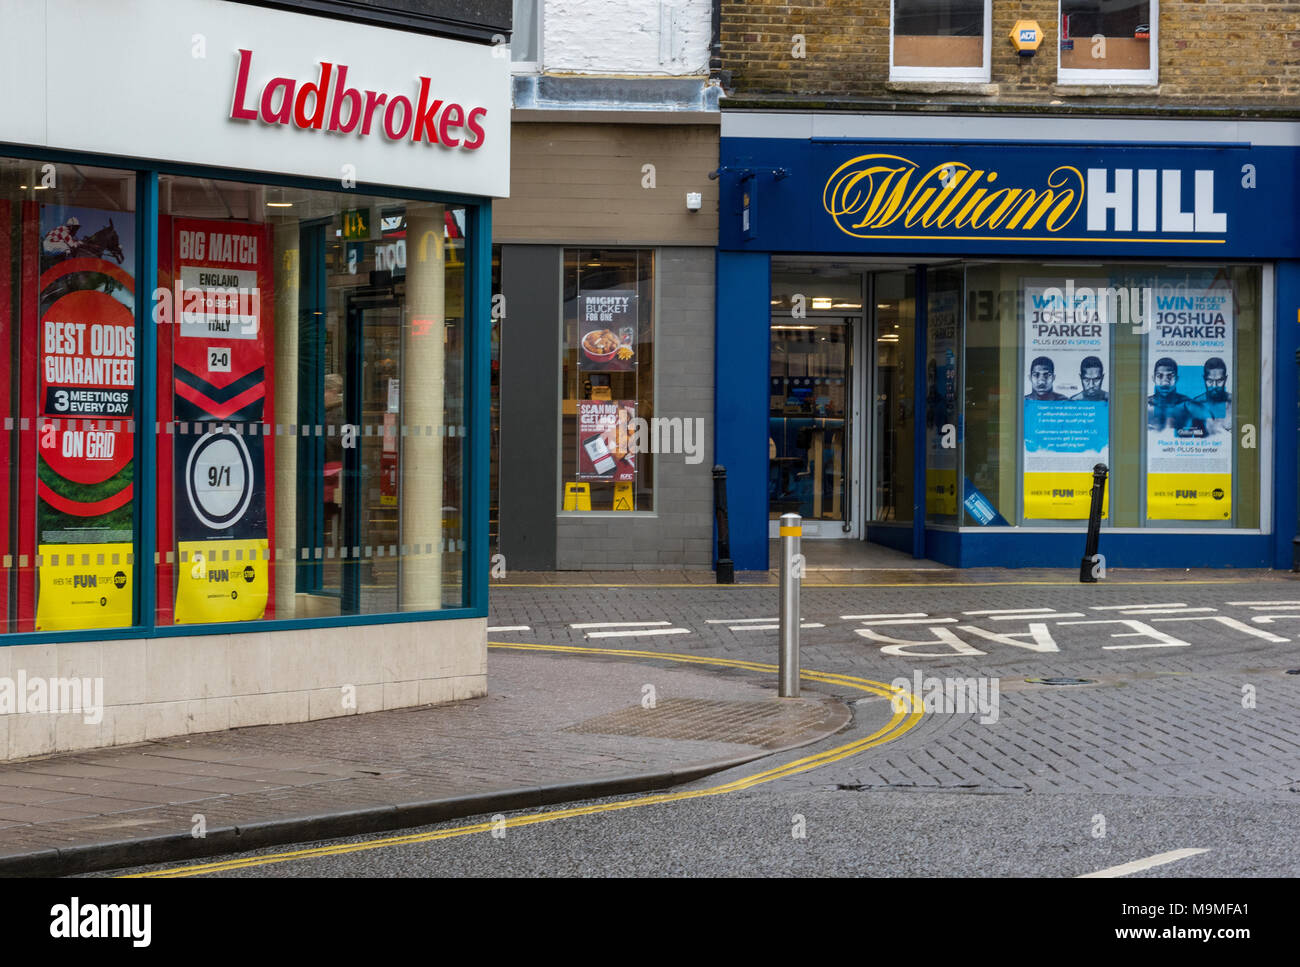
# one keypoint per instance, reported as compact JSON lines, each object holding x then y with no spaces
{"x":810,"y":423}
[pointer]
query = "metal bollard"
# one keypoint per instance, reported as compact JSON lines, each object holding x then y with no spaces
{"x":1099,"y":473}
{"x":791,"y":572}
{"x":726,"y":567}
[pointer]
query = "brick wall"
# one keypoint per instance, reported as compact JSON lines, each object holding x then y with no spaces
{"x":1212,"y":52}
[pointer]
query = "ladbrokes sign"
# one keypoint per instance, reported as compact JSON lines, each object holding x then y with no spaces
{"x":891,"y":196}
{"x":327,"y":103}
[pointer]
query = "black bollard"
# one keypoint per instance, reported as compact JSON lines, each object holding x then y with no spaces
{"x":726,"y":569}
{"x":1099,"y":473}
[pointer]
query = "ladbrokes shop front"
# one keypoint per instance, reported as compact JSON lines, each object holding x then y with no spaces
{"x":935,"y":328}
{"x":243,"y":258}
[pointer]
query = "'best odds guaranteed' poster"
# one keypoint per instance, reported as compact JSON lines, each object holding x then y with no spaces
{"x":222,"y":466}
{"x":941,"y":405}
{"x":605,"y":440}
{"x":1189,"y":409}
{"x":1067,"y":399}
{"x":86,"y":405}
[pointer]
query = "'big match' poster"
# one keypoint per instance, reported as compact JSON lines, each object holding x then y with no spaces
{"x":222,"y":458}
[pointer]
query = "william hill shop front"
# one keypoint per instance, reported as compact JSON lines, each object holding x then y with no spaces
{"x":938,"y":327}
{"x":240,"y":273}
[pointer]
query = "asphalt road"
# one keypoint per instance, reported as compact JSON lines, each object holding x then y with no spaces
{"x":1186,"y":737}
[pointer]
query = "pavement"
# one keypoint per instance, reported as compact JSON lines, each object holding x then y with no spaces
{"x":553,"y":728}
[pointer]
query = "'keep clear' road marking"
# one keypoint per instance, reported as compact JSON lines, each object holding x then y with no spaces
{"x":1137,"y":866}
{"x":631,"y":629}
{"x":906,"y":716}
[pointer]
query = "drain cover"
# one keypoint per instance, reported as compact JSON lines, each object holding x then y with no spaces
{"x":1060,"y":681}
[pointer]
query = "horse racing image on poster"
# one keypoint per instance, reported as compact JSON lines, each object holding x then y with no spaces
{"x":1189,"y":409}
{"x":86,"y":412}
{"x":221,"y":382}
{"x":1067,"y":398}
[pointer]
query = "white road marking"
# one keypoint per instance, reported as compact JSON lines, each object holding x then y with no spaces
{"x":1234,"y":623}
{"x":1154,"y":644}
{"x":1125,"y":607}
{"x":914,"y":621}
{"x":776,"y":627}
{"x":735,"y":621}
{"x":1136,"y":610}
{"x":509,"y":628}
{"x":633,"y":634}
{"x":864,"y":617}
{"x":1036,"y":617}
{"x":621,"y":624}
{"x":1012,"y":611}
{"x":1268,"y":619}
{"x":1274,"y":607}
{"x":1137,"y":866}
{"x":1270,"y":604}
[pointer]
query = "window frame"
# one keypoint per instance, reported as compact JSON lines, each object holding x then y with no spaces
{"x":474,"y":574}
{"x":529,"y":66}
{"x":960,"y":75}
{"x":1078,"y":77}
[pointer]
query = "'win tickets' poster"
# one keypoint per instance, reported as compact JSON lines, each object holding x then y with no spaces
{"x":222,"y":373}
{"x":86,"y":408}
{"x":1067,"y":399}
{"x":1189,"y":409}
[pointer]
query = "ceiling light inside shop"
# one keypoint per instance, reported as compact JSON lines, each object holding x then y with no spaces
{"x":279,"y":204}
{"x":794,"y":327}
{"x":821,"y":302}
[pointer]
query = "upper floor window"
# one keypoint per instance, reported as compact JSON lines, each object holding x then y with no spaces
{"x":939,"y":40}
{"x":1108,"y":42}
{"x":526,"y":37}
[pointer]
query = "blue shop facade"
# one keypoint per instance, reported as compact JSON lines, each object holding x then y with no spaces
{"x":931,"y":330}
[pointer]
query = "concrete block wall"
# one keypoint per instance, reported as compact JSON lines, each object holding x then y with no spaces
{"x":1221,"y":52}
{"x":159,"y":687}
{"x":681,"y":532}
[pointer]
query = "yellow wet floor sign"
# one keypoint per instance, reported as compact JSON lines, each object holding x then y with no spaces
{"x":577,"y":496}
{"x":623,"y":496}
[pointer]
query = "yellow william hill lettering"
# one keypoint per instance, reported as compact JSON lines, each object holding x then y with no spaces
{"x":874,"y":192}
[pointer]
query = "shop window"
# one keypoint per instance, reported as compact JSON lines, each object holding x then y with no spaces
{"x":894,"y":407}
{"x":939,"y":40}
{"x":943,"y":417}
{"x":1108,"y":42}
{"x":526,"y":37}
{"x":69,"y":450}
{"x":311,"y":394}
{"x":1155,"y":371}
{"x":609,"y":432}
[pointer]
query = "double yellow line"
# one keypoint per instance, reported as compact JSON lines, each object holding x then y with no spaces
{"x":901,"y":722}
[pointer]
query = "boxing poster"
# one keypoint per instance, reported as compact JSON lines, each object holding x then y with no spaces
{"x":86,"y":399}
{"x":222,"y":463}
{"x":1067,"y":398}
{"x":1189,"y":401}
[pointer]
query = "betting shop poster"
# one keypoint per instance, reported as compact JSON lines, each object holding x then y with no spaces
{"x":223,"y":458}
{"x":1067,"y":398}
{"x":86,"y":412}
{"x":605,"y":430}
{"x":607,"y":331}
{"x":1189,"y":401}
{"x":941,"y":404}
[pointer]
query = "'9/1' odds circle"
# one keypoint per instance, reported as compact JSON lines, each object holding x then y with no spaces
{"x":219,"y":479}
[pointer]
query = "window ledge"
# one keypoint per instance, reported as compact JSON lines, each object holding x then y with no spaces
{"x":1104,"y":90}
{"x":943,"y":87}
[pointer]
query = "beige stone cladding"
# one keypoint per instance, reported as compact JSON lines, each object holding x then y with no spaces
{"x":153,"y":688}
